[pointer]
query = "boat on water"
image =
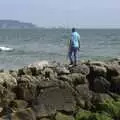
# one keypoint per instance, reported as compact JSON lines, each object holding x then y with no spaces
{"x":6,"y":49}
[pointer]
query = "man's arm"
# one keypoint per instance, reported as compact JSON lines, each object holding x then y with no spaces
{"x":79,"y":40}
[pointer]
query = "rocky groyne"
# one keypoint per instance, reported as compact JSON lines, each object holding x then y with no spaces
{"x":53,"y":91}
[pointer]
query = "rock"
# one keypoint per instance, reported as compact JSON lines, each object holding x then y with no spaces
{"x":98,"y":63}
{"x":13,"y":73}
{"x":25,"y":92}
{"x":6,"y":95}
{"x":1,"y":70}
{"x":83,"y":69}
{"x":60,"y":116}
{"x":78,"y":78}
{"x":111,"y":107}
{"x":47,"y":84}
{"x":9,"y":80}
{"x":61,"y":70}
{"x":26,"y":114}
{"x":98,"y":98}
{"x":65,"y":78}
{"x":87,"y":115}
{"x":24,"y":71}
{"x":84,"y":96}
{"x":26,"y":89}
{"x":17,"y":105}
{"x":115,"y":84}
{"x":44,"y":119}
{"x":58,"y":99}
{"x":84,"y":91}
{"x":98,"y":71}
{"x":101,"y":85}
{"x":39,"y":65}
{"x":113,"y":70}
{"x":48,"y":73}
{"x":44,"y":110}
{"x":82,"y":115}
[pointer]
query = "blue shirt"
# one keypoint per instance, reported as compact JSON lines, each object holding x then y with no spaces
{"x":75,"y":39}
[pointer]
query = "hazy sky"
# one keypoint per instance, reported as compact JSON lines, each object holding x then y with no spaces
{"x":67,"y":13}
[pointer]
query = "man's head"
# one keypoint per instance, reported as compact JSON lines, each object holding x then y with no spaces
{"x":73,"y":29}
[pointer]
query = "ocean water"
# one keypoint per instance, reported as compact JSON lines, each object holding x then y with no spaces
{"x":51,"y":44}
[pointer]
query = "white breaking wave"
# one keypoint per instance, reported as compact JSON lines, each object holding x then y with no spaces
{"x":6,"y":49}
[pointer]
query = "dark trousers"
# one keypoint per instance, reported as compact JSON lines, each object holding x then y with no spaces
{"x":73,"y":55}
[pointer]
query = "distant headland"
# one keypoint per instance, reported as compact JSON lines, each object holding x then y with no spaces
{"x":15,"y":24}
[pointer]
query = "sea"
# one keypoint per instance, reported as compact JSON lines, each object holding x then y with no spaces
{"x":21,"y":47}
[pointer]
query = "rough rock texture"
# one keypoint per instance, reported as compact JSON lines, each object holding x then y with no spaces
{"x":43,"y":91}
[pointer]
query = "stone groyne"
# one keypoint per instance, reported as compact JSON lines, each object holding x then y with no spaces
{"x":88,"y":91}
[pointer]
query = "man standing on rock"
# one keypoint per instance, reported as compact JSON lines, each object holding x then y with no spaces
{"x":74,"y":47}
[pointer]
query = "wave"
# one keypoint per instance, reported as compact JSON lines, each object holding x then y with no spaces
{"x":6,"y":49}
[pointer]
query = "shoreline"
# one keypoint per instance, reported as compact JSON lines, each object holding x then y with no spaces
{"x":57,"y":91}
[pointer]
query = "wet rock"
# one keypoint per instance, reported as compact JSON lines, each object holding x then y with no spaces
{"x":61,"y":116}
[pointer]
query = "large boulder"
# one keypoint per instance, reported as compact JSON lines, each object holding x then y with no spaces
{"x":7,"y":80}
{"x":113,"y":70}
{"x":78,"y":78}
{"x":81,"y":68}
{"x":97,"y":63}
{"x":84,"y":96}
{"x":6,"y":96}
{"x":98,"y":70}
{"x":61,"y":70}
{"x":43,"y":110}
{"x":25,"y":90}
{"x":54,"y":99}
{"x":115,"y":84}
{"x":101,"y":85}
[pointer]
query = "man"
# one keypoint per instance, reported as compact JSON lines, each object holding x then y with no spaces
{"x":74,"y":46}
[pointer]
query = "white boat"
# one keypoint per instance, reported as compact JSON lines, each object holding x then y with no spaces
{"x":6,"y":49}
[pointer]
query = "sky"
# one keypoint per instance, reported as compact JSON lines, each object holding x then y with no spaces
{"x":63,"y":13}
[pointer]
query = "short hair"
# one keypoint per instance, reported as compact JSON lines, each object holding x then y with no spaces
{"x":73,"y":29}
